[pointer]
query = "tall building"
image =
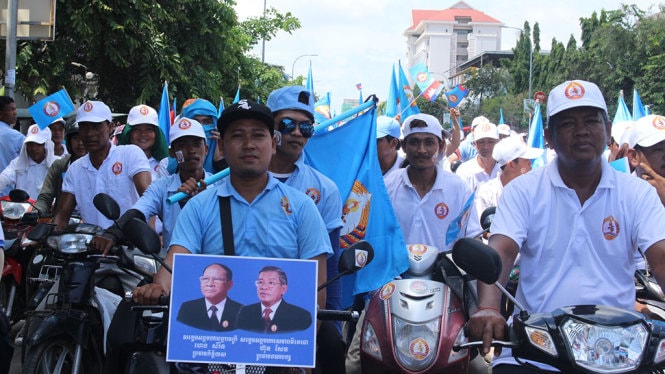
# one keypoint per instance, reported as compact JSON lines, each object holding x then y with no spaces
{"x":445,"y":39}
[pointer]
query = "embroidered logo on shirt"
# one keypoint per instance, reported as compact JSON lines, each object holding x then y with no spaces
{"x":314,"y":194}
{"x":117,"y":168}
{"x":441,"y":210}
{"x":574,"y":91}
{"x":610,"y":228}
{"x":286,"y":207}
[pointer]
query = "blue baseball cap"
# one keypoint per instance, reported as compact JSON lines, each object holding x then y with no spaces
{"x":294,"y":98}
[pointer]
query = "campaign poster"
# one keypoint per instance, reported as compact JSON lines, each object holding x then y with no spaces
{"x":243,"y":311}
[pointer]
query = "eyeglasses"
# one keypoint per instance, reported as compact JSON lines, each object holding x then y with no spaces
{"x":208,"y":279}
{"x":269,"y":284}
{"x":287,"y":125}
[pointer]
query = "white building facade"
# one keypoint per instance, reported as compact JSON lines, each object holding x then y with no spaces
{"x":444,"y":39}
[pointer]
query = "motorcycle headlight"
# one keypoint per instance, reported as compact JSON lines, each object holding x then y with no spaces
{"x":70,"y":243}
{"x":416,"y":345}
{"x":605,"y":349}
{"x":12,"y":210}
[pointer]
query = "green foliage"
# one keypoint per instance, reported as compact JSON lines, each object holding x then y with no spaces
{"x":132,"y":47}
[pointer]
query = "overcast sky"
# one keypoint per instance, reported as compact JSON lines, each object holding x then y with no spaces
{"x":357,"y":41}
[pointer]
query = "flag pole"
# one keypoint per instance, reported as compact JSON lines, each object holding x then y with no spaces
{"x":408,"y":106}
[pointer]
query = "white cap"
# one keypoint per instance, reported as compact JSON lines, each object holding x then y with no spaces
{"x":58,"y":120}
{"x":35,"y":135}
{"x":142,"y":114}
{"x":387,"y":126}
{"x":503,"y":129}
{"x":573,"y":94}
{"x":619,"y":129}
{"x":485,"y":130}
{"x":186,"y":127}
{"x":433,"y":125}
{"x":478,"y":120}
{"x":648,"y":130}
{"x":513,"y":147}
{"x":93,"y":111}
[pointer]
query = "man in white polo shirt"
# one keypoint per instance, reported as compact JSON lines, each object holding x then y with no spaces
{"x":577,"y":214}
{"x":426,"y":198}
{"x":647,"y":151}
{"x":122,"y":172}
{"x":483,"y":167}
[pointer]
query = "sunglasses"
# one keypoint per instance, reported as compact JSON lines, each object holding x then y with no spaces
{"x":287,"y":125}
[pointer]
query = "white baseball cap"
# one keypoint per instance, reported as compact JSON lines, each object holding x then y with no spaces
{"x":142,"y":114}
{"x":93,"y":111}
{"x":478,"y":120}
{"x":573,"y":94}
{"x":485,"y":130}
{"x":185,"y":127}
{"x":513,"y":147}
{"x":387,"y":126}
{"x":433,"y":125}
{"x":35,"y":135}
{"x":503,"y":129}
{"x":648,"y":130}
{"x":619,"y":129}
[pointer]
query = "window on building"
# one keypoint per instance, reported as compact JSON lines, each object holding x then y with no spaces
{"x":462,"y":19}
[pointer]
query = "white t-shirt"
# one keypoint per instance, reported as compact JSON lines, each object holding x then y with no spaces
{"x":471,"y":172}
{"x":426,"y":220}
{"x":574,"y":254}
{"x":114,"y":177}
{"x":28,"y":179}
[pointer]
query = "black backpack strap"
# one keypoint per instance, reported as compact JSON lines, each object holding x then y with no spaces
{"x":227,"y":225}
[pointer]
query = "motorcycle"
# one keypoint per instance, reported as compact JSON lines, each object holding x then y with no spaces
{"x":65,"y":333}
{"x":18,"y":217}
{"x":574,"y":339}
{"x":411,"y":323}
{"x":145,"y":348}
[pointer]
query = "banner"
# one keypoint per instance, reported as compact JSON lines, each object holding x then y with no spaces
{"x":50,"y":108}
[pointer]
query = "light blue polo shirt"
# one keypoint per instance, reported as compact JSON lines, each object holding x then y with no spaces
{"x":281,"y":222}
{"x":321,"y":189}
{"x":153,"y":202}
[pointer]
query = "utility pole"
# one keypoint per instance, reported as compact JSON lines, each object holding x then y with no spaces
{"x":10,"y":48}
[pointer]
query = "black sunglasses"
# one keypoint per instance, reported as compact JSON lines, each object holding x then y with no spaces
{"x":287,"y":125}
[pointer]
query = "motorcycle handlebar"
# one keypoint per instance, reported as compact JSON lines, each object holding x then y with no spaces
{"x":479,"y":344}
{"x":337,"y":315}
{"x":163,"y":300}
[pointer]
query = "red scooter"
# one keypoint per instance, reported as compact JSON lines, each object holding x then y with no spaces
{"x":411,"y":323}
{"x":18,"y":217}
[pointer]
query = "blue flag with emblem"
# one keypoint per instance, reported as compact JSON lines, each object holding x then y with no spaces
{"x":50,"y":108}
{"x":407,"y":101}
{"x":322,"y":108}
{"x":537,"y":137}
{"x":367,"y":210}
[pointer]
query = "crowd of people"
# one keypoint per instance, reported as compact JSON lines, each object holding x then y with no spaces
{"x":575,"y":213}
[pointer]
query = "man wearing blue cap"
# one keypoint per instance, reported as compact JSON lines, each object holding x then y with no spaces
{"x":387,"y":144}
{"x":293,"y":112}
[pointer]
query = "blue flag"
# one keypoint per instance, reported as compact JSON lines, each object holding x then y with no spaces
{"x":392,"y":104}
{"x":622,"y":114}
{"x":310,"y":80}
{"x":322,"y":109}
{"x":456,"y":95}
{"x":537,"y":137}
{"x":164,"y":114}
{"x":430,"y":87}
{"x":501,"y":121}
{"x":220,"y":108}
{"x":367,"y":211}
{"x":407,"y":101}
{"x":237,"y":98}
{"x":638,"y":108}
{"x":50,"y":108}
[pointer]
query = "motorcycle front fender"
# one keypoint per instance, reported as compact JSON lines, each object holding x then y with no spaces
{"x":71,"y":323}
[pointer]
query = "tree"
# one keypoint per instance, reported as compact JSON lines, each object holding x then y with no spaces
{"x":134,"y":46}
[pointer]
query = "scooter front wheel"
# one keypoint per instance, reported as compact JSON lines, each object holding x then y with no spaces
{"x":56,"y":357}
